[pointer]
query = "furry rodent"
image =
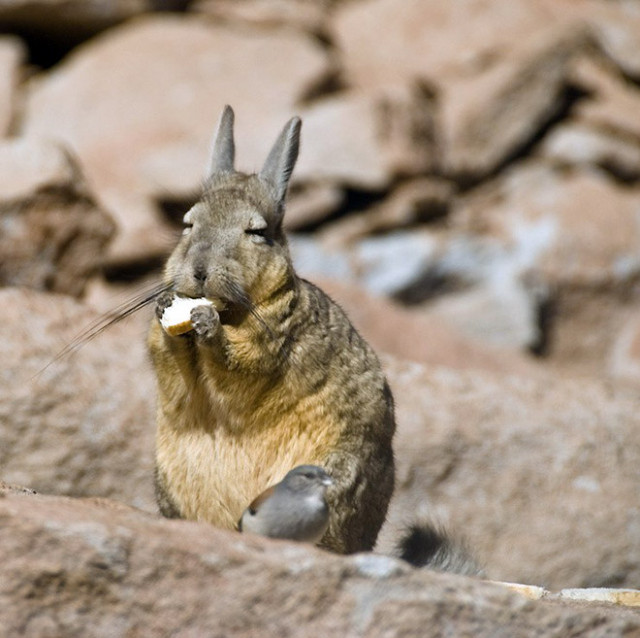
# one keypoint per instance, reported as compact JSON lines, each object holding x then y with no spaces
{"x":279,"y":378}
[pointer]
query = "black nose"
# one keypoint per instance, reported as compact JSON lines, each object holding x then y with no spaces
{"x":200,"y":274}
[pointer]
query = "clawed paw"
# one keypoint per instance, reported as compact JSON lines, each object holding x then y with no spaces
{"x":205,"y":321}
{"x":163,"y":301}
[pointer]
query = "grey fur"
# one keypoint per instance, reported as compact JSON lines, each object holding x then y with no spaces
{"x":279,"y":164}
{"x":223,"y":155}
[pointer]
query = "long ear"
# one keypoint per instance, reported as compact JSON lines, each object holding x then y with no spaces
{"x":223,"y":147}
{"x":282,"y":158}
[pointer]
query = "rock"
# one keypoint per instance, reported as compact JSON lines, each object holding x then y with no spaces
{"x":392,"y":264}
{"x":499,"y":74}
{"x":613,"y":103}
{"x":54,"y":235}
{"x":383,"y":265}
{"x":137,"y":150}
{"x":364,"y":140}
{"x":581,"y":227}
{"x":416,"y":201}
{"x":75,"y":567}
{"x":491,"y":117}
{"x":575,"y":233}
{"x":73,"y":19}
{"x":12,"y":57}
{"x":500,"y":312}
{"x":420,"y":336}
{"x":576,"y":144}
{"x":479,"y":286}
{"x":617,"y":27}
{"x":539,"y":475}
{"x":427,"y":39}
{"x":603,"y":130}
{"x":299,"y":14}
{"x":311,"y":203}
{"x":82,"y":423}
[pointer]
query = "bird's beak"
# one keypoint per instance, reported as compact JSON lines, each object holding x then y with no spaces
{"x":327,"y":480}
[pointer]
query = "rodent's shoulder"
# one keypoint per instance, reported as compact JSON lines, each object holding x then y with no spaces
{"x":324,"y":314}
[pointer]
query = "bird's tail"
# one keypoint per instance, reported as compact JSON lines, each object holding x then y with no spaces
{"x":425,"y":545}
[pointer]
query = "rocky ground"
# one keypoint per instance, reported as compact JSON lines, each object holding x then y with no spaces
{"x":468,"y":189}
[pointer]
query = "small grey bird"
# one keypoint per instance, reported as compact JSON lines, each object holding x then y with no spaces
{"x":295,"y":508}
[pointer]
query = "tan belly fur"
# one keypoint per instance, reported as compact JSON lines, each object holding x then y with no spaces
{"x":215,"y":474}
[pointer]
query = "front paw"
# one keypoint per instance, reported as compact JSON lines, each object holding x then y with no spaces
{"x":205,"y":321}
{"x":163,"y":301}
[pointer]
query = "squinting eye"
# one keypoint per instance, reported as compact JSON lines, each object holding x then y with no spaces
{"x":258,"y":235}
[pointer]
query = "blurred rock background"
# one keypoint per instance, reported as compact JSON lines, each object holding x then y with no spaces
{"x":468,"y":189}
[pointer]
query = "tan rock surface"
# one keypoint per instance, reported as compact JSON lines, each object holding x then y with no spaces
{"x":54,"y":235}
{"x":78,"y":567}
{"x":540,"y":476}
{"x":141,"y":118}
{"x":81,"y":424}
{"x":578,"y":232}
{"x":388,"y":42}
{"x":365,"y":139}
{"x":12,"y":57}
{"x":492,"y":116}
{"x":300,"y":14}
{"x":421,"y":337}
{"x":65,"y":19}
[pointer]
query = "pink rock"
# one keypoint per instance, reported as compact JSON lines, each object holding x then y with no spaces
{"x":54,"y":236}
{"x":391,"y":41}
{"x":538,"y":474}
{"x":365,"y":139}
{"x":78,"y":567}
{"x":12,"y":56}
{"x":140,"y":115}
{"x":83,"y":423}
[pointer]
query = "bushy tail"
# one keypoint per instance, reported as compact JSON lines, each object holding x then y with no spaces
{"x":424,"y":545}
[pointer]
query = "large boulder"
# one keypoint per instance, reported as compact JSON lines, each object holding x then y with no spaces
{"x":575,"y":232}
{"x":429,"y":39}
{"x":365,"y":139}
{"x":77,"y":422}
{"x":77,"y":567}
{"x":539,"y":475}
{"x":54,"y":235}
{"x":421,"y":336}
{"x":603,"y":129}
{"x":499,"y":71}
{"x":139,"y":105}
{"x":68,"y":21}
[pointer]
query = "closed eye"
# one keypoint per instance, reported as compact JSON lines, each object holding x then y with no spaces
{"x":259,"y":235}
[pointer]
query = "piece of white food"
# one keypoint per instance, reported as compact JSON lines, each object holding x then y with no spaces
{"x":176,"y":318}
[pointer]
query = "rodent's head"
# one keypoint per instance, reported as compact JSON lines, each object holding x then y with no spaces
{"x":233,"y":246}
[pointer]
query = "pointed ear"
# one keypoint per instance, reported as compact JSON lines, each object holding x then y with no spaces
{"x":282,"y":158}
{"x":223,"y":147}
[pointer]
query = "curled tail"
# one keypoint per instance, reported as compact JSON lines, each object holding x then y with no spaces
{"x":424,"y":545}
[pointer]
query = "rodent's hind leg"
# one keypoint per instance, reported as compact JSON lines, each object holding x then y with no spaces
{"x":167,"y":507}
{"x":163,"y":301}
{"x":206,"y":322}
